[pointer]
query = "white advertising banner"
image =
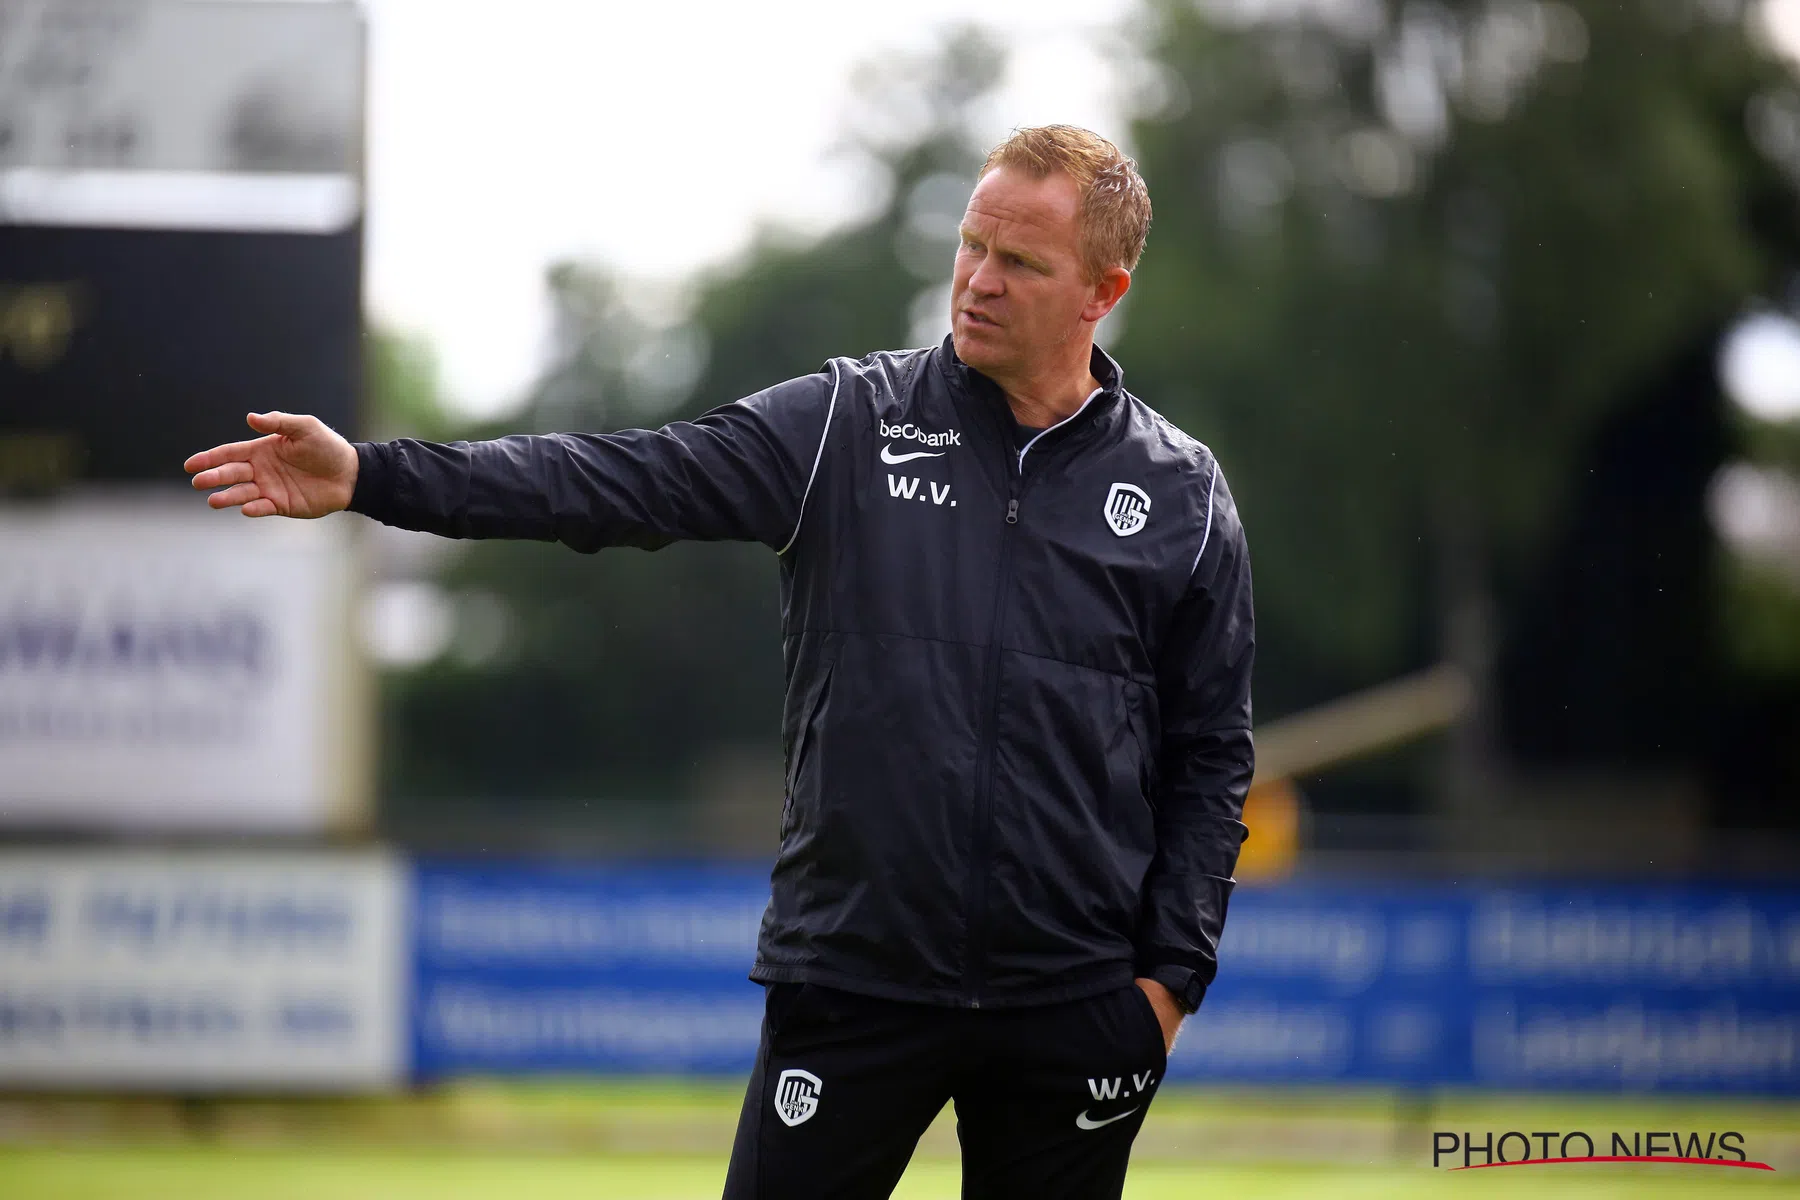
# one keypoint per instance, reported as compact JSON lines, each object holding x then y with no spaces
{"x":201,"y":971}
{"x":166,"y":667}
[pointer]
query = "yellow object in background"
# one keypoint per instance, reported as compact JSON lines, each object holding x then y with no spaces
{"x":1272,"y":811}
{"x":1348,"y":728}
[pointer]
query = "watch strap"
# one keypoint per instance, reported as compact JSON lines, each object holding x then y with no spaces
{"x":1184,"y":983}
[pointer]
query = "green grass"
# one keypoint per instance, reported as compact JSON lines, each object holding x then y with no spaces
{"x":667,"y":1140}
{"x":199,"y":1173}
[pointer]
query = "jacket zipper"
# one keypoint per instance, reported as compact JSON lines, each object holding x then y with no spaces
{"x":984,"y":798}
{"x":974,"y":972}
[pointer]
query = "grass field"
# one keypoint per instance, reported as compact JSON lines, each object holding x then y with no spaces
{"x":188,"y":1173}
{"x":666,"y":1141}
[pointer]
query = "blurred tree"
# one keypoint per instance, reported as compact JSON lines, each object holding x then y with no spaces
{"x":403,"y":395}
{"x":1762,"y":591}
{"x":1409,"y":262}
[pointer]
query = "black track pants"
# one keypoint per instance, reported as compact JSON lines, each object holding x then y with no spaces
{"x":1048,"y":1099}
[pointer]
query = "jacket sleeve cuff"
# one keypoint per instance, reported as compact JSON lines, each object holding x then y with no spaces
{"x":1188,"y":986}
{"x":1151,"y":960}
{"x":374,"y":493}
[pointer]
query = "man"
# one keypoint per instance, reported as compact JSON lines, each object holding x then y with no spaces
{"x":1018,"y":634}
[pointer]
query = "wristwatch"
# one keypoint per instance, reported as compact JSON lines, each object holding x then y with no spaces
{"x":1184,"y":984}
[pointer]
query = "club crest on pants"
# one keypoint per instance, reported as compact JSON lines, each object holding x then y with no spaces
{"x":796,"y":1095}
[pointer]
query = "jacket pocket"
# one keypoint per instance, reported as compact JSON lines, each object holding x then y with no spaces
{"x":1131,"y":709}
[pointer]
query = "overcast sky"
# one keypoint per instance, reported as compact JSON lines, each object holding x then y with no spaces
{"x":651,"y":136}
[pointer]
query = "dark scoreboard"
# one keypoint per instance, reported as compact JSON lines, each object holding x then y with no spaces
{"x":123,"y":351}
{"x":181,"y":229}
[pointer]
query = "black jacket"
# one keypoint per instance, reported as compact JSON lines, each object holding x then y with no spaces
{"x":1017,"y":729}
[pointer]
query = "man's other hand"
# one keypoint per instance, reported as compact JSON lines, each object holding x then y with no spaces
{"x":1168,"y":1013}
{"x":300,"y":467}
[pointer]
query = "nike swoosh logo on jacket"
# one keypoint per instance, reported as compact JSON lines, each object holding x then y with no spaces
{"x":893,"y":460}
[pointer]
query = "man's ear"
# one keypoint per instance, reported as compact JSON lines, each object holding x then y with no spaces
{"x":1108,"y":290}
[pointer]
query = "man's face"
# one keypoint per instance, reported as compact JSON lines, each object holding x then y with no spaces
{"x":1018,"y":292}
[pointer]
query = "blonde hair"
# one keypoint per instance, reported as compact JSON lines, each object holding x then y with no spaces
{"x":1115,"y":204}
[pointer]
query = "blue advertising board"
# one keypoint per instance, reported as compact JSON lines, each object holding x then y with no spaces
{"x":522,"y":968}
{"x":1678,"y":990}
{"x":1615,"y":988}
{"x":560,"y":969}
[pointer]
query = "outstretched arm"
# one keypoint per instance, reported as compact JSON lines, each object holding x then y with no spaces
{"x":739,"y":473}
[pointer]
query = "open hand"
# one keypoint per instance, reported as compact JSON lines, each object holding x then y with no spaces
{"x":301,"y":467}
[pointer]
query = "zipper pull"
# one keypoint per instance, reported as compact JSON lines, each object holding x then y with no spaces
{"x":1012,"y":511}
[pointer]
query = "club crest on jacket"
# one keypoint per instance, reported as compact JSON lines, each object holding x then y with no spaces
{"x":1127,"y":509}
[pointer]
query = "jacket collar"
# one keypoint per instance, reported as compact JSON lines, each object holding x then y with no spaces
{"x":969,"y":381}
